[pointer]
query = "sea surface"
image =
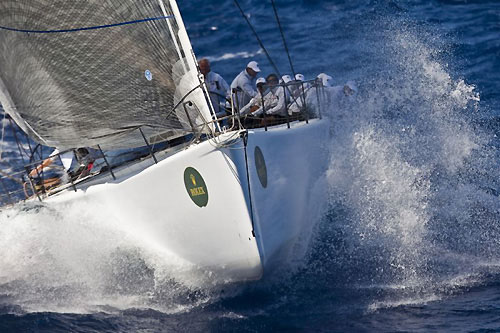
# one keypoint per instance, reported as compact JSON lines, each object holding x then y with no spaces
{"x":409,"y":240}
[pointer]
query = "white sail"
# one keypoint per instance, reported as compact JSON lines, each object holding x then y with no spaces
{"x":92,"y":72}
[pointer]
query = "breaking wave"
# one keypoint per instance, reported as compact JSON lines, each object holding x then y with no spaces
{"x":237,"y":55}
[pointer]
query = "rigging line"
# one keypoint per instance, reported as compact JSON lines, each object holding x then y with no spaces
{"x":149,"y":19}
{"x":283,"y":37}
{"x":263,"y":47}
{"x":3,"y":174}
{"x":258,"y":38}
{"x":182,"y":100}
{"x":303,"y":98}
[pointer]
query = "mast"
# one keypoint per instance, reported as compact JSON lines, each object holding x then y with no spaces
{"x":191,"y":60}
{"x":183,"y":36}
{"x":179,"y":52}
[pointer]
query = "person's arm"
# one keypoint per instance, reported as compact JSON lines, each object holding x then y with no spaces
{"x":40,"y":167}
{"x":268,"y":101}
{"x":257,"y":112}
{"x":281,"y":103}
{"x":254,"y":102}
{"x":246,"y":108}
{"x":223,"y":93}
{"x":260,"y":108}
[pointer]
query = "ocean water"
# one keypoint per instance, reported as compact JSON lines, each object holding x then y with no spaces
{"x":410,"y":237}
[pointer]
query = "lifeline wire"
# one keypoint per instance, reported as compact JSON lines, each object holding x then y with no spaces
{"x":86,"y":28}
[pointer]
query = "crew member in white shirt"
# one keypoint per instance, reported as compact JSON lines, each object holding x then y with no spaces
{"x":53,"y":174}
{"x":302,"y":78}
{"x":244,"y":84}
{"x":275,"y":100}
{"x":326,"y":79}
{"x":217,"y":86}
{"x":255,"y":102}
{"x":328,"y":91}
{"x":304,"y":95}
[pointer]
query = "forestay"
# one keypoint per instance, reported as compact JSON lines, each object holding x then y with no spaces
{"x":81,"y":73}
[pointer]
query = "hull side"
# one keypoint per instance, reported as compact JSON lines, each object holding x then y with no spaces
{"x":156,"y":204}
{"x":295,"y":161}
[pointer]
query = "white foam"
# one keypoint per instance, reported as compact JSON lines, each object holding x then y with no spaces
{"x":410,"y":171}
{"x":78,"y":258}
{"x":403,"y":302}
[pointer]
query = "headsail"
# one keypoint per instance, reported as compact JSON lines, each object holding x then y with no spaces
{"x":80,"y":73}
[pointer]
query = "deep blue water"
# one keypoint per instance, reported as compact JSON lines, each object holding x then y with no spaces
{"x":410,"y":239}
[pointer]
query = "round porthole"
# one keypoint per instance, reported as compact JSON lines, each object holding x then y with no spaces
{"x":260,"y":165}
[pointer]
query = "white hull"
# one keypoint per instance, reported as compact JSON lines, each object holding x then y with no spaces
{"x":155,"y":202}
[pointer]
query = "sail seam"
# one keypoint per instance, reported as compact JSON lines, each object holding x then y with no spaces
{"x":87,"y":28}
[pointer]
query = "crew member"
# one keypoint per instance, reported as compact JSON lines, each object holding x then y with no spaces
{"x":244,"y":84}
{"x":275,"y":99}
{"x":217,"y":86}
{"x":255,"y":102}
{"x":301,"y":78}
{"x":350,"y":88}
{"x":326,"y":80}
{"x":55,"y":175}
{"x":304,"y":95}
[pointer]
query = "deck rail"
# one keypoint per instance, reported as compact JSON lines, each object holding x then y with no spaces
{"x":305,"y":101}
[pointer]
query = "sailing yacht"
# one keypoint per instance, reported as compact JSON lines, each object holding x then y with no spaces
{"x":122,"y":75}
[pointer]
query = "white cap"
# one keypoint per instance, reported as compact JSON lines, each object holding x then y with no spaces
{"x":260,"y":80}
{"x":286,"y":78}
{"x":300,"y":77}
{"x":327,"y":80}
{"x":254,"y":65}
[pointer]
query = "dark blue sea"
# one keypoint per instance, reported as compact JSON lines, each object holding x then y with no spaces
{"x":409,"y":239}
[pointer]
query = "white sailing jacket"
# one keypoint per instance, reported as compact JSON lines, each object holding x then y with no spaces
{"x":257,"y":101}
{"x":275,"y":102}
{"x":247,"y":85}
{"x":218,"y":89}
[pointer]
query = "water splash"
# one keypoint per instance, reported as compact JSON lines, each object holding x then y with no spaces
{"x":412,"y":175}
{"x":78,"y":258}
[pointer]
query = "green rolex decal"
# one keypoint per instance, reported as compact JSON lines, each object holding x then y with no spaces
{"x":260,"y":165}
{"x":196,"y":187}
